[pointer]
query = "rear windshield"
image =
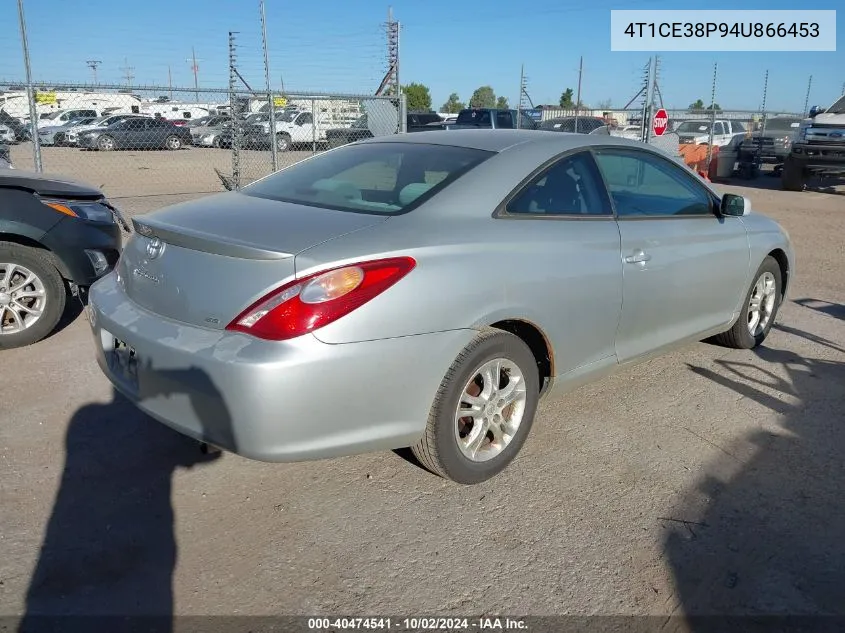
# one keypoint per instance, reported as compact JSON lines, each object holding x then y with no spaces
{"x":474,"y":117}
{"x":786,"y":125}
{"x":376,"y":178}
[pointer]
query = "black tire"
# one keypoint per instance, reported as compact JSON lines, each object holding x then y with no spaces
{"x":216,"y":142}
{"x":105,"y":143}
{"x":39,"y":263}
{"x":792,"y":176}
{"x":438,"y":449}
{"x":283,"y":142}
{"x":739,"y":336}
{"x":173,"y":142}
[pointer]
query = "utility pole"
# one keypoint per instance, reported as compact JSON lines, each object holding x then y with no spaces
{"x":128,"y":73}
{"x":392,"y":77}
{"x":578,"y":96}
{"x":519,"y":100}
{"x":712,"y":113}
{"x":274,"y":150}
{"x":92,"y":64}
{"x":30,"y":92}
{"x":170,"y":81}
{"x":195,"y":69}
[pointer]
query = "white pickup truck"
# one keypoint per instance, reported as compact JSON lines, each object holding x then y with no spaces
{"x":697,"y":132}
{"x":818,"y":149}
{"x":293,"y":127}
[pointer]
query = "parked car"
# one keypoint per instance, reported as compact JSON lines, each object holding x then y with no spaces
{"x":61,"y":117}
{"x":585,"y":125}
{"x":361,"y":266}
{"x":773,"y":143}
{"x":141,"y":133}
{"x":57,"y":237}
{"x":21,"y":130}
{"x":415,"y":122}
{"x":633,"y":132}
{"x":7,"y":134}
{"x":72,"y":134}
{"x":57,"y":134}
{"x":206,"y":131}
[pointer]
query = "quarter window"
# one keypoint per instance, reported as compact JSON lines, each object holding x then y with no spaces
{"x":572,"y":186}
{"x":643,"y":184}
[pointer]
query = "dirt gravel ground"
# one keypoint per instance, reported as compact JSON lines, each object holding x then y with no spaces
{"x":707,"y":481}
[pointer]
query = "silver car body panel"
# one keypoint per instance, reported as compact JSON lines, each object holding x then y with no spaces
{"x":367,"y":381}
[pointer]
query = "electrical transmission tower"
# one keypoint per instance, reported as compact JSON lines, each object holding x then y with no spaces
{"x":128,"y":72}
{"x":195,"y":69}
{"x":92,"y":64}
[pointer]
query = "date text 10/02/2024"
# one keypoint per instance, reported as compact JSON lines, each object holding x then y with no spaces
{"x":722,"y":29}
{"x":417,"y":624}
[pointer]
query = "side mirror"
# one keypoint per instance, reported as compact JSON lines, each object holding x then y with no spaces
{"x":815,"y":110}
{"x":734,"y":205}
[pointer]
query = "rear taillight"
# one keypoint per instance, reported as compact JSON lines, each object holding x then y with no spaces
{"x":312,"y":302}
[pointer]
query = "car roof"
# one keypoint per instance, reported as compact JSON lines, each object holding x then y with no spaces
{"x":501,"y":140}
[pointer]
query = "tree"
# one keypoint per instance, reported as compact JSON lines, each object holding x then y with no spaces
{"x":418,"y":97}
{"x":502,"y":103}
{"x":453,"y":105}
{"x":699,"y":105}
{"x":566,"y":99}
{"x":483,"y":97}
{"x":607,"y":104}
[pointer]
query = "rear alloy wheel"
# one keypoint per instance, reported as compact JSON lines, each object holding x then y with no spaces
{"x":173,"y":143}
{"x":282,"y":142}
{"x":483,"y":410}
{"x":105,"y":143}
{"x":32,"y":295}
{"x":759,"y":310}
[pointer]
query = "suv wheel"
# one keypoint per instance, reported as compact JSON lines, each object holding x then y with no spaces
{"x":32,"y":295}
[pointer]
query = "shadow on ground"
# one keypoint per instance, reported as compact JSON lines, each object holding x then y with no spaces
{"x":763,"y":532}
{"x":109,"y":547}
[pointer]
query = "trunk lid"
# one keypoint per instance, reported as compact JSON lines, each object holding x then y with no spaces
{"x":202,"y":262}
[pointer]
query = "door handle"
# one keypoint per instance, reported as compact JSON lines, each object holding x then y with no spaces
{"x":639,"y":257}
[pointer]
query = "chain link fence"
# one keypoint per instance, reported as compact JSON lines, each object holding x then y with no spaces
{"x":152,"y":141}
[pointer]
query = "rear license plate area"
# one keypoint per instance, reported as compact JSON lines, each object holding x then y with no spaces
{"x":123,"y":362}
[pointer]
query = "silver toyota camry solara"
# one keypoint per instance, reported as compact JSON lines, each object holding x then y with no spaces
{"x":425,"y":291}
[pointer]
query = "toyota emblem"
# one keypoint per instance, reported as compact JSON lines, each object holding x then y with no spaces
{"x":155,"y":248}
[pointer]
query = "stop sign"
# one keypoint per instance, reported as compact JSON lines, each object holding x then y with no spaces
{"x":660,"y":122}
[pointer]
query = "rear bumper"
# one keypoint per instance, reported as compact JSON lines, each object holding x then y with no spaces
{"x":272,"y":401}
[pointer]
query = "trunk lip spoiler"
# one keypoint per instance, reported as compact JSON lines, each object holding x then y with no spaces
{"x":199,"y":241}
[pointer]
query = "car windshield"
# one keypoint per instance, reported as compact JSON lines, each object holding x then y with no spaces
{"x":838,"y":107}
{"x":693,"y":127}
{"x":784,"y":125}
{"x":285,"y":116}
{"x":375,"y":178}
{"x":199,"y":122}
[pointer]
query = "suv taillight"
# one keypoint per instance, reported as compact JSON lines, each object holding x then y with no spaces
{"x":307,"y":304}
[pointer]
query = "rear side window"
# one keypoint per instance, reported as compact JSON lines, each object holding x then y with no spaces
{"x":377,"y":178}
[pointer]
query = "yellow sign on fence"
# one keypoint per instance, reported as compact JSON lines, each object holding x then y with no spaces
{"x":45,"y":97}
{"x":279,"y":102}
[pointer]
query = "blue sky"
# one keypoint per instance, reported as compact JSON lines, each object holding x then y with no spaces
{"x":451,"y":46}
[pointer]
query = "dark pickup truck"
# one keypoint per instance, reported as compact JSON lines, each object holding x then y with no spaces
{"x":416,"y":122}
{"x":772,"y":144}
{"x":491,"y":118}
